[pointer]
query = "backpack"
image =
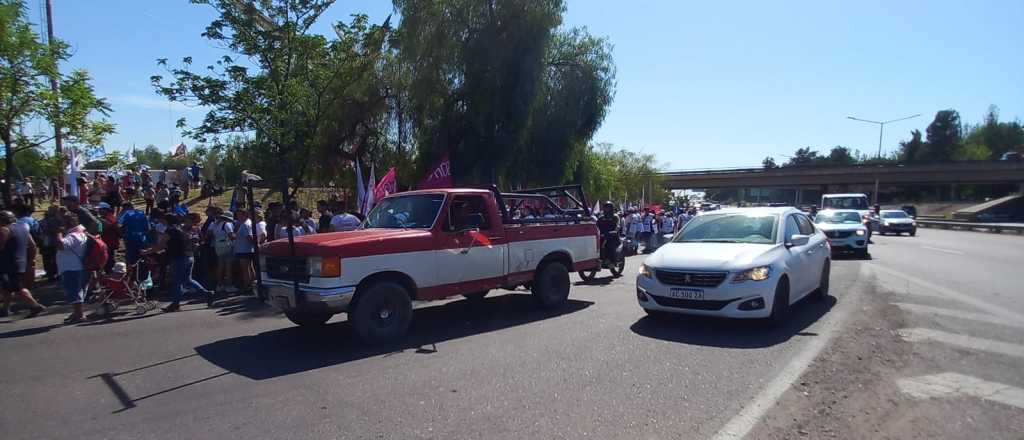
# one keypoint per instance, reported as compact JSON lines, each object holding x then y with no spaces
{"x":95,"y":257}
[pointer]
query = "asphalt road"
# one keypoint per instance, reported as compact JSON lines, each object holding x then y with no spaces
{"x":597,"y":368}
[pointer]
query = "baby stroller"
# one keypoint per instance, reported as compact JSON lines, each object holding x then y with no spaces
{"x":121,"y":287}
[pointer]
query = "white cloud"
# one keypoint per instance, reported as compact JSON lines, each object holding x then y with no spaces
{"x":152,"y":103}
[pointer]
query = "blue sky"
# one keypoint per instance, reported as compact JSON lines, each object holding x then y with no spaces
{"x":700,"y":84}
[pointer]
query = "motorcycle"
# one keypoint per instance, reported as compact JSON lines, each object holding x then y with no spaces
{"x":615,"y":263}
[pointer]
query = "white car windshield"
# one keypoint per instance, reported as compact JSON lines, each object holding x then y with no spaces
{"x":838,"y":218}
{"x":894,"y":214}
{"x":730,"y":228}
{"x":416,"y":211}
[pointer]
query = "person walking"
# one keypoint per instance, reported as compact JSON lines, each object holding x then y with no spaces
{"x":223,"y":237}
{"x":24,"y":214}
{"x":148,"y":196}
{"x":111,"y":235}
{"x":342,"y":220}
{"x":85,"y":218}
{"x":27,"y":192}
{"x":48,"y":227}
{"x":55,"y":190}
{"x":71,"y":241}
{"x":324,"y":222}
{"x":15,"y":245}
{"x":245,"y":251}
{"x":134,"y":228}
{"x":179,"y":250}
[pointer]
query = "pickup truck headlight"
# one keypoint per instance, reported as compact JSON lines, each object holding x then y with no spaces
{"x":325,"y":267}
{"x":860,"y":232}
{"x":646,"y":271}
{"x":756,"y":274}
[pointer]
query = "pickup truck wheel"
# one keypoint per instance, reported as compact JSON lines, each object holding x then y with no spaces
{"x":382,"y":313}
{"x":476,"y":296}
{"x":588,"y":275}
{"x":308,"y":319}
{"x":551,"y":285}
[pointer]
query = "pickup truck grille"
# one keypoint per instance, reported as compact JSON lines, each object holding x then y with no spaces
{"x":287,"y":268}
{"x":692,"y":279}
{"x":838,"y":234}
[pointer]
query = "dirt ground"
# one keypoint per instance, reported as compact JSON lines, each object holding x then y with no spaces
{"x":850,"y":391}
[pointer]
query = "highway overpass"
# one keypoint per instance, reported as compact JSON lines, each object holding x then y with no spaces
{"x":991,"y":172}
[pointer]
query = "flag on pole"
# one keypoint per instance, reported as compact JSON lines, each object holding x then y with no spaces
{"x":387,"y":185}
{"x":441,"y":177}
{"x":369,"y":202}
{"x":72,"y":173}
{"x":360,"y":189}
{"x":181,"y":150}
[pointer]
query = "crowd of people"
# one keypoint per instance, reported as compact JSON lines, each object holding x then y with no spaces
{"x":160,"y":239}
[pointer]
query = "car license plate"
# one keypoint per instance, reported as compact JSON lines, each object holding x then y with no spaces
{"x":686,"y":294}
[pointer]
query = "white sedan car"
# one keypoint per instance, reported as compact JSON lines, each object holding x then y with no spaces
{"x":737,"y":263}
{"x":845,"y":230}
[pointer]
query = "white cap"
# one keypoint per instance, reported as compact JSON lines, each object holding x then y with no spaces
{"x":103,"y":205}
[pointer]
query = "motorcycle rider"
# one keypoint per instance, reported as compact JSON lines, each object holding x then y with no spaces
{"x":608,"y":224}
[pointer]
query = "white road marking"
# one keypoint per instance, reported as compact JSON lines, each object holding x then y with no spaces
{"x":948,"y":251}
{"x":953,"y":384}
{"x":962,"y":341}
{"x":971,"y":316}
{"x":964,"y":298}
{"x":739,"y":425}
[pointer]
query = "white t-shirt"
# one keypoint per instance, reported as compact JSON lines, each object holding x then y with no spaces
{"x":344,"y":222}
{"x":70,"y":257}
{"x":297,"y":231}
{"x":20,"y":232}
{"x":221,"y":229}
{"x":261,"y":230}
{"x":243,"y":241}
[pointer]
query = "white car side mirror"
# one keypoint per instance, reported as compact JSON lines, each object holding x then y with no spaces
{"x":797,"y":240}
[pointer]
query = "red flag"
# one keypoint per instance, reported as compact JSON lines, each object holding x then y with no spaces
{"x":388,"y":185}
{"x":181,"y":150}
{"x":441,"y":177}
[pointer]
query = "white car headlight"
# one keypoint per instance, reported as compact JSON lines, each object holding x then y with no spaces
{"x":756,"y":274}
{"x":885,"y":223}
{"x":860,"y":232}
{"x":646,"y":271}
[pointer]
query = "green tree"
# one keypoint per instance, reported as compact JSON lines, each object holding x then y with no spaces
{"x":496,"y":85}
{"x":27,"y":103}
{"x":149,"y":156}
{"x":769,"y":163}
{"x":972,"y":151}
{"x":910,"y":150}
{"x":840,"y":155}
{"x":803,"y":157}
{"x":998,"y":137}
{"x":944,"y":135}
{"x":299,"y":94}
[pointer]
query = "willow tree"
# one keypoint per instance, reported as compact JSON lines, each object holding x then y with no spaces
{"x":500,"y":87}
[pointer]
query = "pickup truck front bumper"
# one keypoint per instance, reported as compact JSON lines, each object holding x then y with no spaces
{"x":284,"y":296}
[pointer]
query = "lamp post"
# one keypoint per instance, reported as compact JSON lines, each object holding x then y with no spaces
{"x":881,"y":127}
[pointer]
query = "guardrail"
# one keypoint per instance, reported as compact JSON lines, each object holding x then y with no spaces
{"x":970,"y":226}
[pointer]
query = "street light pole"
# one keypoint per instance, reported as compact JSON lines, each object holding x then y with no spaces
{"x":881,"y":127}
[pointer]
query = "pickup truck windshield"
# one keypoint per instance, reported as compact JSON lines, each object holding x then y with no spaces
{"x":730,"y":228}
{"x":415,"y":211}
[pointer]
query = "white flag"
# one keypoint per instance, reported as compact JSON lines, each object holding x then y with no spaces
{"x":72,"y":172}
{"x":370,"y":198}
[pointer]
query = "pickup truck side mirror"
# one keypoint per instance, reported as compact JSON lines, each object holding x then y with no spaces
{"x":797,"y":240}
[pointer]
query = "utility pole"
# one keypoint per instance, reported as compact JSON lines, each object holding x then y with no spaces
{"x":881,"y":127}
{"x":58,"y":138}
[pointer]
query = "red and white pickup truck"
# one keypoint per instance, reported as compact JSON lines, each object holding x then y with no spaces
{"x":430,"y":245}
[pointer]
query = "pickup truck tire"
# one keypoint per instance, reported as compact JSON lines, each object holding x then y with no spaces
{"x":308,"y":319}
{"x":382,"y":313}
{"x":551,"y":285}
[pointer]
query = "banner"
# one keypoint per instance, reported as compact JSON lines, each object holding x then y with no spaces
{"x":441,"y":177}
{"x":360,"y":188}
{"x":388,"y":185}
